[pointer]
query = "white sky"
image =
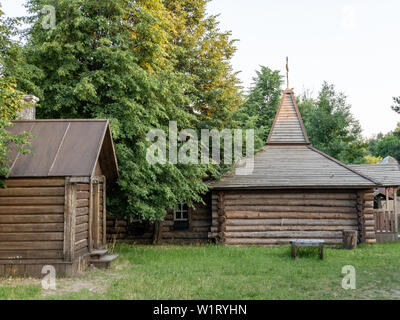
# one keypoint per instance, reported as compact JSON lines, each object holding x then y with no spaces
{"x":353,"y":44}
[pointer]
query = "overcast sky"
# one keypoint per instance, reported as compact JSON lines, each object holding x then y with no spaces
{"x":353,"y":44}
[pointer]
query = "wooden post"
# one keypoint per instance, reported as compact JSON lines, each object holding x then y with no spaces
{"x":221,"y":216}
{"x":69,"y":220}
{"x":387,"y":198}
{"x":104,"y":211}
{"x":96,"y":214}
{"x":396,"y":223}
{"x":90,"y":227}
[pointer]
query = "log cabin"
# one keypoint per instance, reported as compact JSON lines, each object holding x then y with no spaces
{"x":294,"y":191}
{"x":53,"y":209}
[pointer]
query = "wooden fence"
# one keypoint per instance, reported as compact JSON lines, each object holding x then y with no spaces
{"x":385,"y":221}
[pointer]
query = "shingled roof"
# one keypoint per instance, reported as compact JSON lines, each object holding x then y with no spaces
{"x":388,"y":175}
{"x":64,"y":148}
{"x":288,"y":160}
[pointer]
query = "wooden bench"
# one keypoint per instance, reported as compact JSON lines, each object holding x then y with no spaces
{"x":307,"y":243}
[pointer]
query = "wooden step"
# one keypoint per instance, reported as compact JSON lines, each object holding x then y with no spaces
{"x":104,"y":261}
{"x":96,"y":254}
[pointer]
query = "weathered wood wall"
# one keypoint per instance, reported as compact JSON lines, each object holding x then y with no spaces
{"x":271,"y":217}
{"x":199,"y":227}
{"x":32,"y":219}
{"x":82,"y":219}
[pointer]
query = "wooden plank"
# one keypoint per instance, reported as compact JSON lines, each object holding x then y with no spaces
{"x":83,"y":187}
{"x":26,"y":219}
{"x":31,"y":209}
{"x":81,"y":236}
{"x":69,"y":221}
{"x":283,"y":208}
{"x":34,"y":245}
{"x":37,"y":236}
{"x":82,"y":227}
{"x":290,"y":202}
{"x":82,"y":211}
{"x":39,"y":182}
{"x":288,"y":228}
{"x":32,"y":192}
{"x":81,"y":244}
{"x":82,"y":203}
{"x":271,"y":195}
{"x":264,"y":241}
{"x":83,"y":195}
{"x":30,"y":254}
{"x":294,"y":222}
{"x":10,"y":201}
{"x":285,"y":234}
{"x":288,"y":215}
{"x":32,"y":227}
{"x":82,"y":219}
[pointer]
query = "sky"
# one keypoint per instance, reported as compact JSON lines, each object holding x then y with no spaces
{"x":353,"y":44}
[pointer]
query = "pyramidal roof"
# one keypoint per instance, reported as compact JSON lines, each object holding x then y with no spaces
{"x":288,"y":160}
{"x":288,"y":127}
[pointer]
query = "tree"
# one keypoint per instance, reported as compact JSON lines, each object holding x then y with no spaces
{"x":331,"y":127}
{"x":259,"y":110}
{"x":386,"y":145}
{"x":204,"y":52}
{"x":396,"y":106}
{"x":10,"y":98}
{"x":118,"y":59}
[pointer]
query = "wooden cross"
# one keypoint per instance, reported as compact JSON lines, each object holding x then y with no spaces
{"x":287,"y":72}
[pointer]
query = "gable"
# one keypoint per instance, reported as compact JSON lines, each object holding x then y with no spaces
{"x":63,"y":148}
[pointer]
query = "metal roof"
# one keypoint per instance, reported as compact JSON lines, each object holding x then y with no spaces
{"x":388,"y":175}
{"x":64,"y":148}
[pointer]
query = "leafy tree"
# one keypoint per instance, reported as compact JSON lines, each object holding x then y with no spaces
{"x":386,"y":145}
{"x":204,"y":52}
{"x":119,"y":59}
{"x":396,"y":106}
{"x":10,"y":97}
{"x":259,"y":110}
{"x":331,"y":127}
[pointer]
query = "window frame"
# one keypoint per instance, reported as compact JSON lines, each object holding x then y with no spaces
{"x":181,"y":211}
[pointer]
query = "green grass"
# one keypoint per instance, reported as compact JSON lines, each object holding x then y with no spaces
{"x":220,"y":272}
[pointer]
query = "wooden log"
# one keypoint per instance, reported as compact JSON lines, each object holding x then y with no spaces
{"x":288,"y":228}
{"x":81,"y":244}
{"x":45,"y":218}
{"x":32,"y":192}
{"x":263,"y":241}
{"x":38,"y":182}
{"x":69,"y":220}
{"x":31,"y":209}
{"x":311,"y":209}
{"x":80,"y":236}
{"x":301,"y":222}
{"x":32,"y":227}
{"x":34,"y":245}
{"x":83,"y":195}
{"x":83,"y":187}
{"x":290,"y":202}
{"x":82,"y":211}
{"x":36,"y":236}
{"x":30,"y":254}
{"x":184,"y":235}
{"x":288,"y":215}
{"x":285,"y":234}
{"x":22,"y":201}
{"x":82,"y":203}
{"x":82,"y":227}
{"x":311,"y":196}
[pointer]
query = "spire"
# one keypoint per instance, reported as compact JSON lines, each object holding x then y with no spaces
{"x":288,"y":127}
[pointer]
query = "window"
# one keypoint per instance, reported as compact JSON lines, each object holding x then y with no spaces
{"x":181,"y":217}
{"x":181,"y":213}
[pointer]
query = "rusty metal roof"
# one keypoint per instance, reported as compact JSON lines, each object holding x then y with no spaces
{"x":64,"y":148}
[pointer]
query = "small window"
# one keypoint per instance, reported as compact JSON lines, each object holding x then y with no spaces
{"x":181,"y":213}
{"x":181,"y":217}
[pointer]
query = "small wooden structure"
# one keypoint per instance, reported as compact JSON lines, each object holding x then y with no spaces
{"x":294,"y":191}
{"x":296,"y":243}
{"x":387,"y":172}
{"x":53,"y":211}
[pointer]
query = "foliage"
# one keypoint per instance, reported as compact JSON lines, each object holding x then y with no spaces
{"x":259,"y":110}
{"x":331,"y":127}
{"x":396,"y":106}
{"x":386,"y":145}
{"x":371,"y":159}
{"x":10,"y":97}
{"x":125,"y":61}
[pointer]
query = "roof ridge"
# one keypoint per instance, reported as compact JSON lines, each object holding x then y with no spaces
{"x":343,"y":164}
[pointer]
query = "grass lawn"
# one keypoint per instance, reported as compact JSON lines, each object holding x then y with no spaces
{"x":220,"y":272}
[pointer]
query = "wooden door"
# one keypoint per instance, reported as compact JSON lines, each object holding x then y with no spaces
{"x":98,"y":212}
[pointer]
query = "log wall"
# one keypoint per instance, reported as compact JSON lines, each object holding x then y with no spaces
{"x":82,"y":219}
{"x":32,"y":219}
{"x":273,"y":217}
